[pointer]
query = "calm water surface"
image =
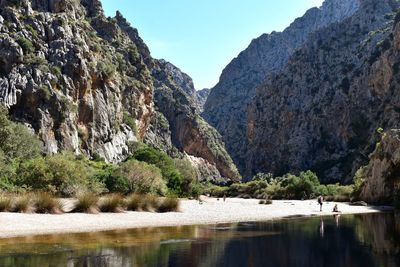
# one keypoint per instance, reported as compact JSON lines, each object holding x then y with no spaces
{"x":351,"y":240}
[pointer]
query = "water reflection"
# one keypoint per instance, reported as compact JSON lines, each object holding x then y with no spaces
{"x":321,"y":228}
{"x":355,"y":240}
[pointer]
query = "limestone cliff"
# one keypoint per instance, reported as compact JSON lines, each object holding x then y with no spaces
{"x":201,"y":98}
{"x":86,"y":83}
{"x":226,"y":108}
{"x":322,"y":110}
{"x":175,"y":98}
{"x":382,"y":174}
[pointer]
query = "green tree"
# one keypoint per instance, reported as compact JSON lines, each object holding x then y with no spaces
{"x":16,"y":141}
{"x":60,"y":174}
{"x":166,"y":164}
{"x":139,"y":177}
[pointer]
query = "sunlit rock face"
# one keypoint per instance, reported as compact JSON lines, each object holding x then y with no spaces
{"x":382,"y":173}
{"x":88,"y":84}
{"x":322,"y":110}
{"x":226,"y":107}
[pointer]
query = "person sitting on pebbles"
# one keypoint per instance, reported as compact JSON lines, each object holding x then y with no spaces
{"x":336,"y":209}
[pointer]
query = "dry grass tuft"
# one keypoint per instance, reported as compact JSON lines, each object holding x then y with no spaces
{"x":134,"y":202}
{"x":169,"y":204}
{"x":22,"y":204}
{"x":5,"y":203}
{"x":149,"y":203}
{"x":46,"y":203}
{"x":112,"y":203}
{"x":87,"y":202}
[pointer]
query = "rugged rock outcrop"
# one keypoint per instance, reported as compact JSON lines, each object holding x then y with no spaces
{"x":226,"y":108}
{"x":322,"y":110}
{"x":201,"y":98}
{"x":174,"y":96}
{"x":382,"y":175}
{"x":64,"y":76}
{"x":86,"y":83}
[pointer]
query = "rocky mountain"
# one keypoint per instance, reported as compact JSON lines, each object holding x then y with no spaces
{"x":380,"y":176}
{"x":88,"y":84}
{"x":321,"y":111}
{"x":226,"y":108}
{"x":201,"y":98}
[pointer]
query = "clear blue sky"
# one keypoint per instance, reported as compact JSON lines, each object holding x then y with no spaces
{"x":202,"y":36}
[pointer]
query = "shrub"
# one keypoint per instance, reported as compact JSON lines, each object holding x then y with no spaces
{"x":5,"y":203}
{"x":107,"y":71}
{"x":275,"y":189}
{"x":263,"y":177}
{"x":56,"y":70}
{"x":218,"y":191}
{"x":139,"y":177}
{"x":17,"y":142}
{"x":112,"y":183}
{"x":46,"y":203}
{"x":130,"y":121}
{"x":359,"y":181}
{"x":133,"y":53}
{"x":166,"y":164}
{"x":45,"y":92}
{"x":169,"y":204}
{"x":261,"y":202}
{"x":111,"y":203}
{"x":59,"y":174}
{"x":26,"y":45}
{"x":189,"y":184}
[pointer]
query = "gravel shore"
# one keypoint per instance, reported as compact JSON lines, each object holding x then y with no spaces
{"x":211,"y":211}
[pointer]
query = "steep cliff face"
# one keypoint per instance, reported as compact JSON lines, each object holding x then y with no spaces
{"x":226,"y":108}
{"x":381,"y":175}
{"x":175,"y":98}
{"x":85,"y":83}
{"x":72,"y":73}
{"x":201,"y":98}
{"x":321,"y":111}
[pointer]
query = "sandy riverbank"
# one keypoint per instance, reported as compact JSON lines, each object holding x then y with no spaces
{"x":191,"y":212}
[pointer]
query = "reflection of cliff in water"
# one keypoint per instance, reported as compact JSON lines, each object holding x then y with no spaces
{"x":350,"y":240}
{"x":300,"y":243}
{"x":382,"y":233}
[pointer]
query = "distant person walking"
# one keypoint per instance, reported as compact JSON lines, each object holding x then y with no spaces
{"x":320,"y":202}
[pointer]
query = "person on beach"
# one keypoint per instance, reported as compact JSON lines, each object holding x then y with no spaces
{"x":320,"y":201}
{"x":335,"y":208}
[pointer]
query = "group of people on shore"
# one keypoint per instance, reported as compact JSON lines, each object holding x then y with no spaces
{"x":321,"y":201}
